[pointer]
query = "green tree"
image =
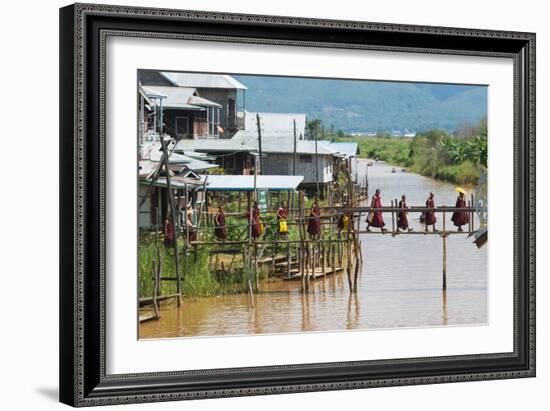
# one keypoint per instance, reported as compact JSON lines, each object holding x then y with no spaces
{"x":314,"y":128}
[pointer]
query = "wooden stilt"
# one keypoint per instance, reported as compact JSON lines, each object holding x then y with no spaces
{"x":349,"y":262}
{"x":444,"y":284}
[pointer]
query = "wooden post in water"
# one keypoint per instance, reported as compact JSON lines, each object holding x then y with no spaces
{"x":392,"y":219}
{"x":349,"y":264}
{"x":155,"y":290}
{"x":288,"y":260}
{"x":305,"y":268}
{"x":174,"y":221}
{"x":256,"y":274}
{"x":333,"y":257}
{"x":472,"y":212}
{"x":324,"y":255}
{"x":356,"y":275}
{"x":444,"y":284}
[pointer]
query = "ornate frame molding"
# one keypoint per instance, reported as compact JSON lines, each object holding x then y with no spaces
{"x":82,"y":387}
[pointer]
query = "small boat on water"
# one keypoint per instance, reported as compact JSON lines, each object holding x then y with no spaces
{"x":394,"y":170}
{"x":369,"y":164}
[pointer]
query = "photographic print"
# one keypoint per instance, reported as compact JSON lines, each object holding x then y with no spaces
{"x":272,"y":204}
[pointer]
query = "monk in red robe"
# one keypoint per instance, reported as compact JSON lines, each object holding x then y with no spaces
{"x":255,"y":221}
{"x":460,"y":218}
{"x":374,"y":218}
{"x":314,"y":223}
{"x":219,"y":222}
{"x":402,"y":216}
{"x":168,"y":232}
{"x":429,"y":216}
{"x":282,"y":215}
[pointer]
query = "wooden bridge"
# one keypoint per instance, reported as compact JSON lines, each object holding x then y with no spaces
{"x":306,"y":259}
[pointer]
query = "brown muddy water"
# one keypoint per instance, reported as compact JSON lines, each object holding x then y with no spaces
{"x":400,"y":284}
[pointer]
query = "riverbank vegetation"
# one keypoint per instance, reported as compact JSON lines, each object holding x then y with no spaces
{"x":199,"y":279}
{"x":457,"y":158}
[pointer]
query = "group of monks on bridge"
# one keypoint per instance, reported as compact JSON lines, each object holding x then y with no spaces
{"x":344,"y":221}
{"x":375,"y":218}
{"x":257,"y":227}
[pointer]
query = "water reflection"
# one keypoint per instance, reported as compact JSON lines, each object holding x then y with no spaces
{"x":399,"y":284}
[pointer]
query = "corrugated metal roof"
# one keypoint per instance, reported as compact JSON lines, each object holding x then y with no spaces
{"x":279,"y":144}
{"x":201,"y":101}
{"x":175,"y":182}
{"x":179,"y":97}
{"x":246,"y":183}
{"x":200,"y":80}
{"x":238,"y":143}
{"x":152,"y":152}
{"x":348,"y":149}
{"x":302,"y":147}
{"x":213,"y":145}
{"x":198,"y":165}
{"x":146,"y":168}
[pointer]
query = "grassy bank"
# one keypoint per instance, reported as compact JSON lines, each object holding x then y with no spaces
{"x":198,"y":280}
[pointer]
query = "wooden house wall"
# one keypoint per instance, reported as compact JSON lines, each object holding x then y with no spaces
{"x":236,"y":163}
{"x":197,"y":122}
{"x":222,"y":96}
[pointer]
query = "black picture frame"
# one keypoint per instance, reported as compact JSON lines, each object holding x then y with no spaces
{"x":83,"y":30}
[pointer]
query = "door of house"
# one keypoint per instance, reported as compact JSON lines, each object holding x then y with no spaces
{"x":182,"y":127}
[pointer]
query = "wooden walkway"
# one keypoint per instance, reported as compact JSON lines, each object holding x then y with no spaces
{"x":296,"y":275}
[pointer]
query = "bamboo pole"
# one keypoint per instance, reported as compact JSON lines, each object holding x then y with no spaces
{"x":472,"y":204}
{"x":392,"y":219}
{"x":288,"y":260}
{"x":312,"y":262}
{"x":258,"y":125}
{"x":165,"y":156}
{"x":356,"y":276}
{"x":444,"y":282}
{"x":349,"y":264}
{"x":155,"y":290}
{"x":324,"y":266}
{"x":333,"y":257}
{"x":294,"y":154}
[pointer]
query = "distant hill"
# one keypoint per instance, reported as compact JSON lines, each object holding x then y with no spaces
{"x":362,"y":106}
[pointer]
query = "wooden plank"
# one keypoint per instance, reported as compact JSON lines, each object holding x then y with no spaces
{"x":319,"y":273}
{"x":146,"y":317}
